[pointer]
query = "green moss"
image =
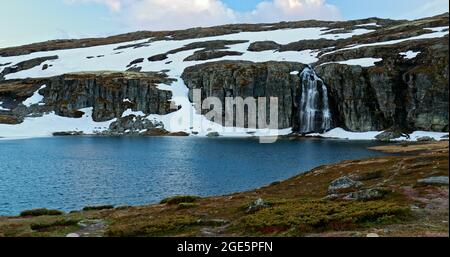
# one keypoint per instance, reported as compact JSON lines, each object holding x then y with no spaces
{"x":298,"y":217}
{"x":41,"y":212}
{"x":54,"y":225}
{"x":161,"y":226}
{"x":180,"y":199}
{"x":98,"y":208}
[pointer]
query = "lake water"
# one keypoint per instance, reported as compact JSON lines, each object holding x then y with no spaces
{"x":68,"y":173}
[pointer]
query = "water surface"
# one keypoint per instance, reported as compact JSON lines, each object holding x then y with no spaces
{"x":68,"y":173}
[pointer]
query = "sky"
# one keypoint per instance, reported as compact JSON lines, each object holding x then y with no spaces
{"x":27,"y":21}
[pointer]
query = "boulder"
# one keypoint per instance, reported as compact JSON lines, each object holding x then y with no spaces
{"x":441,"y":180}
{"x":366,"y":194}
{"x":257,"y":205}
{"x":343,"y":185}
{"x":425,"y":139}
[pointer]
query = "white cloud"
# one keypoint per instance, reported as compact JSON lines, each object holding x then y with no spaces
{"x":180,"y":14}
{"x":429,"y":8}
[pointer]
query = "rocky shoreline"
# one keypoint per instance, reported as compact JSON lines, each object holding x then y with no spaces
{"x":401,"y":195}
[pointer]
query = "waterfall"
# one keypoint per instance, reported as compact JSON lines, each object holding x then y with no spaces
{"x":315,"y":114}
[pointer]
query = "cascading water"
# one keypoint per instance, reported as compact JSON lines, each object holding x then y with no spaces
{"x":315,"y":115}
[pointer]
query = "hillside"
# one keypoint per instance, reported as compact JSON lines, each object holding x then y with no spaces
{"x":358,"y":79}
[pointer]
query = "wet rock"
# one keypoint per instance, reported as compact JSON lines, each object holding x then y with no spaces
{"x":343,"y":185}
{"x":387,"y":136}
{"x":213,"y":134}
{"x":425,"y":139}
{"x":441,"y":180}
{"x":68,"y":133}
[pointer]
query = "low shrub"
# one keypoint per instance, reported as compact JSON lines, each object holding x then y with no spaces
{"x":98,"y":208}
{"x":180,"y":199}
{"x":41,"y":212}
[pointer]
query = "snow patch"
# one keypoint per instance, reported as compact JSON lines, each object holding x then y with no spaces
{"x":363,"y":62}
{"x":36,"y":98}
{"x":129,"y":112}
{"x":339,"y":133}
{"x":49,"y":123}
{"x":409,"y":54}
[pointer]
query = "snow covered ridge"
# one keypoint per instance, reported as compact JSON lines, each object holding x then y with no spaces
{"x":121,"y":57}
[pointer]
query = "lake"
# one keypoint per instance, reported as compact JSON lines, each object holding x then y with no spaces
{"x":68,"y":173}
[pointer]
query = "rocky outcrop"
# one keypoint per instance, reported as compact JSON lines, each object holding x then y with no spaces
{"x":208,"y":55}
{"x":108,"y":93}
{"x":411,"y":94}
{"x":247,"y":79}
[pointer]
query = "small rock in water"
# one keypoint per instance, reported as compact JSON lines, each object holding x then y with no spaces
{"x":442,"y":180}
{"x":372,"y":235}
{"x":73,"y":235}
{"x":213,"y":134}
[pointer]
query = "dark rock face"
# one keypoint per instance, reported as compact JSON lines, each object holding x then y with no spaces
{"x":207,"y":55}
{"x":106,"y":92}
{"x":247,"y":79}
{"x":408,"y":94}
{"x":109,"y":93}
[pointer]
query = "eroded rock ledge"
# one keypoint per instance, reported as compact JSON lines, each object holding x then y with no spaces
{"x":110,"y":94}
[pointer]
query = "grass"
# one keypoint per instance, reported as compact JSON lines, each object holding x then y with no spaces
{"x":53,"y":225}
{"x":296,"y":217}
{"x":40,"y":212}
{"x":292,"y":207}
{"x":166,"y":225}
{"x":98,"y":208}
{"x":180,"y":199}
{"x":187,"y":205}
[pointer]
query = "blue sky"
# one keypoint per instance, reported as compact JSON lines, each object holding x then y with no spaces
{"x":25,"y":21}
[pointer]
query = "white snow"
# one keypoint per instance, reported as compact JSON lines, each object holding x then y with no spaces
{"x":409,"y":54}
{"x":418,"y":134}
{"x":36,"y":98}
{"x":339,"y":133}
{"x":184,"y":119}
{"x":437,"y":33}
{"x":369,"y":24}
{"x":50,"y":123}
{"x":363,"y":62}
{"x":135,"y":113}
{"x":295,"y":73}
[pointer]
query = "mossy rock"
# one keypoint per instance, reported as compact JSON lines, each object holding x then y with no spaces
{"x":180,"y":199}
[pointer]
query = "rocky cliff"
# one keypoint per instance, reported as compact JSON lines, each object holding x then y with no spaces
{"x":109,"y":94}
{"x":248,"y":79}
{"x":362,"y":75}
